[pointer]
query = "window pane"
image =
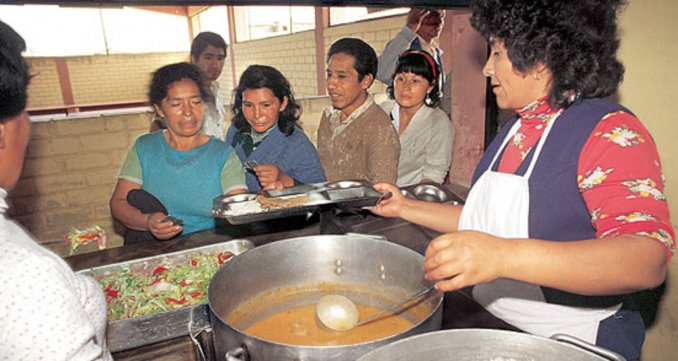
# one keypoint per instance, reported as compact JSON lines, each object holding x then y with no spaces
{"x":215,"y":19}
{"x":267,"y":21}
{"x":61,"y":31}
{"x":343,"y":15}
{"x":257,"y":22}
{"x":130,"y":31}
{"x":303,"y":18}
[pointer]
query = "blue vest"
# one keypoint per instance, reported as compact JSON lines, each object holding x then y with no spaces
{"x":185,"y":182}
{"x":557,"y":209}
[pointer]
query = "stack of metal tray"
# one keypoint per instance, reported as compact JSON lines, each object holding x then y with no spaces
{"x":149,"y":329}
{"x":247,"y":208}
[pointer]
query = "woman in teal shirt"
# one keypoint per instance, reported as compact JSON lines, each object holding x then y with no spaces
{"x":181,"y":166}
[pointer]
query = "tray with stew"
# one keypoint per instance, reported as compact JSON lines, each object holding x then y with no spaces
{"x":273,"y":204}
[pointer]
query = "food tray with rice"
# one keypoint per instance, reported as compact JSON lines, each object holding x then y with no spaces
{"x":153,"y":299}
{"x":273,"y":204}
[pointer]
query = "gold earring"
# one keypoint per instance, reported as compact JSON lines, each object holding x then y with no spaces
{"x":536,"y":76}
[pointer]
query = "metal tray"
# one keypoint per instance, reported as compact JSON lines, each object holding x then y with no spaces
{"x":346,"y":194}
{"x":162,"y":326}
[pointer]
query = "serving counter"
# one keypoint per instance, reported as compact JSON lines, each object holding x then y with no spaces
{"x":179,"y":337}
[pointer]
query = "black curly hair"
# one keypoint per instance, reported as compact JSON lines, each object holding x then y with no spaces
{"x":420,"y":63}
{"x":576,"y":39}
{"x":167,"y":75}
{"x":262,"y":76}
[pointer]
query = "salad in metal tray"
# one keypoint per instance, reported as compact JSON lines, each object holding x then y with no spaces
{"x":132,"y":293}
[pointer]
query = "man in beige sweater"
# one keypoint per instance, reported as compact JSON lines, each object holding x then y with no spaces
{"x":355,"y":138}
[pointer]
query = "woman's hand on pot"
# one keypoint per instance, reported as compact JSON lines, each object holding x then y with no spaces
{"x":159,"y":229}
{"x":461,"y":259}
{"x":388,"y":206}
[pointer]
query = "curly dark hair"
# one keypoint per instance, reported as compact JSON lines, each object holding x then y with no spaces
{"x":420,"y":63}
{"x":576,"y":39}
{"x":167,"y":75}
{"x":262,"y":76}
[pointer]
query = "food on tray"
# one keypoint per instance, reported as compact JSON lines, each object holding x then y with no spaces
{"x":140,"y":291}
{"x":80,"y":237}
{"x":283,"y":202}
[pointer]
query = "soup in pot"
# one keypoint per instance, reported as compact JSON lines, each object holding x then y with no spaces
{"x":299,"y":326}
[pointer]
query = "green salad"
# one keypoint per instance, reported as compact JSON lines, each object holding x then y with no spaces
{"x":131,"y":294}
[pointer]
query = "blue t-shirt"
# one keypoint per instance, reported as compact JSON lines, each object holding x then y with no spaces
{"x":185,"y":182}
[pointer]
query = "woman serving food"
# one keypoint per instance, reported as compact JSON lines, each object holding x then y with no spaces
{"x":180,"y":169}
{"x":566,"y":215}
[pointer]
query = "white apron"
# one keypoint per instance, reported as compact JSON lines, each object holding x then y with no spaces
{"x":499,"y":204}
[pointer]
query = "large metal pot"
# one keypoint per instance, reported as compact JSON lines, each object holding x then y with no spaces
{"x":370,"y":270}
{"x":494,"y":345}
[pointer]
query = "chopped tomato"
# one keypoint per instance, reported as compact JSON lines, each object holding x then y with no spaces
{"x":196,"y":294}
{"x":159,"y":270}
{"x":174,"y":301}
{"x":110,"y":292}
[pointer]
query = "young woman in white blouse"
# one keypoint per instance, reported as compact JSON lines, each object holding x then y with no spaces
{"x":426,"y":133}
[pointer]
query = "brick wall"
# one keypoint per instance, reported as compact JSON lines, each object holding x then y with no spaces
{"x":293,"y":55}
{"x":97,"y":78}
{"x":70,"y":173}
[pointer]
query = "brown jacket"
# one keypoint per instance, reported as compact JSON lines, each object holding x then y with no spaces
{"x":367,"y":149}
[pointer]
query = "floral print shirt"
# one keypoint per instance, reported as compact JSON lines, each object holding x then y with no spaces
{"x":619,"y":173}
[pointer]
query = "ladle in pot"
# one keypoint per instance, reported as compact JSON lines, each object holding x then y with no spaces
{"x":338,"y":313}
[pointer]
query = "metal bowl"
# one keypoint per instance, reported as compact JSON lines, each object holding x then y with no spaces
{"x":407,"y":194}
{"x":430,"y":193}
{"x":482,"y":344}
{"x":344,"y":184}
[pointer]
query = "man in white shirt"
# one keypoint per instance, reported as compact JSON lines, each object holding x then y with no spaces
{"x":208,"y":52}
{"x":421,"y":31}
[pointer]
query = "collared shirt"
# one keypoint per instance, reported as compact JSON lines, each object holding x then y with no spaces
{"x":48,"y":311}
{"x":337,"y":125}
{"x":214,"y":120}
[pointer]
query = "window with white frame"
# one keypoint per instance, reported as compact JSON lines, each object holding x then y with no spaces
{"x":258,"y":22}
{"x":214,"y":19}
{"x":71,"y":31}
{"x":350,"y":14}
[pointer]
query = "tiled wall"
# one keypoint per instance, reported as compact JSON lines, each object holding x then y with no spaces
{"x":97,"y":79}
{"x":69,"y":175}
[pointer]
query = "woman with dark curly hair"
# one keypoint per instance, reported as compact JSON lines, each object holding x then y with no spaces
{"x":566,"y":215}
{"x":425,"y":131}
{"x":265,"y":130}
